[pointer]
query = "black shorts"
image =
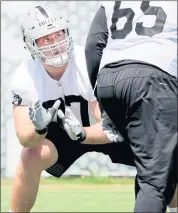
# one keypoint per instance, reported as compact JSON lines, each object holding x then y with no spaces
{"x":141,"y":100}
{"x":69,"y":151}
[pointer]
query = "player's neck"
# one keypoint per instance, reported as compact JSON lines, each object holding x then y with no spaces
{"x":55,"y":72}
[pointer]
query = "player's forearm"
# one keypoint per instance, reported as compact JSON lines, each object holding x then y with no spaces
{"x":29,"y":138}
{"x":95,"y":135}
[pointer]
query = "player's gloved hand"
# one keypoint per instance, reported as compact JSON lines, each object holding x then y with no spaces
{"x":42,"y":117}
{"x":72,"y":125}
{"x":110,"y":130}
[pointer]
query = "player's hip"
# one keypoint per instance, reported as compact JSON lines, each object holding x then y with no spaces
{"x":130,"y":91}
{"x":124,"y":69}
{"x":130,"y":77}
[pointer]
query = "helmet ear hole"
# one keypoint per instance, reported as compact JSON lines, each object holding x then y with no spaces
{"x":32,"y":57}
{"x":33,"y":43}
{"x":24,"y":38}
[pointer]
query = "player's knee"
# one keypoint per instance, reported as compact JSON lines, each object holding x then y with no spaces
{"x":40,"y":157}
{"x":30,"y":159}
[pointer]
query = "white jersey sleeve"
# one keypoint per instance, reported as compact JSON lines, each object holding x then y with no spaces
{"x":84,"y":84}
{"x":142,"y":30}
{"x":22,"y":87}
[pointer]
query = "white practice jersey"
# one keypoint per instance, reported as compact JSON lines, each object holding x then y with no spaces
{"x":31,"y":82}
{"x":142,"y":30}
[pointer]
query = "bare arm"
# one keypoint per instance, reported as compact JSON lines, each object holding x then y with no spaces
{"x":95,"y":134}
{"x":24,"y":127}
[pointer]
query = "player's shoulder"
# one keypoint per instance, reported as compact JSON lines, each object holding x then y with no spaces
{"x":108,"y":6}
{"x":79,"y":50}
{"x":24,"y":76}
{"x":20,"y":75}
{"x":83,"y":81}
{"x":79,"y":55}
{"x":23,"y":84}
{"x":27,"y":70}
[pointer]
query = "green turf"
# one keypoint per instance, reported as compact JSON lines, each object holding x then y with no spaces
{"x":82,"y":180}
{"x":78,"y":195}
{"x":87,"y":194}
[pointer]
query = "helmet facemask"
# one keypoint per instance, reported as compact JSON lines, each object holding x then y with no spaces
{"x":56,"y":54}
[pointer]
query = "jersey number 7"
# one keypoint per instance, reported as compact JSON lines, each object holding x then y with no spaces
{"x":67,"y":101}
{"x":139,"y":29}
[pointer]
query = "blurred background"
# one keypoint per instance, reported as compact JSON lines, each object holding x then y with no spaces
{"x":93,"y":166}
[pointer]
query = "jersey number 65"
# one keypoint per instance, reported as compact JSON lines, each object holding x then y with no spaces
{"x":139,"y":29}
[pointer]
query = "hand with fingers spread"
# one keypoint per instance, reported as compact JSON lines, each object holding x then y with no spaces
{"x":41,"y":117}
{"x":72,"y":125}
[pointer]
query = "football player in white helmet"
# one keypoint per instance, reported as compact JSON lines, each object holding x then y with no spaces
{"x":40,"y":29}
{"x":51,"y":94}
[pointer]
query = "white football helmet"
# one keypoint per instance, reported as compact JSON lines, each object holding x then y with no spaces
{"x":40,"y":22}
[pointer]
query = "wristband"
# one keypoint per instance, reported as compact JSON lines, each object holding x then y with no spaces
{"x":82,"y":136}
{"x":42,"y":131}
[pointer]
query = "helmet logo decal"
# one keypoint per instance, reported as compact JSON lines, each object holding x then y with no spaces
{"x":42,"y":11}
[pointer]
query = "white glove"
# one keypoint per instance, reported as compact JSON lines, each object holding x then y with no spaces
{"x":110,"y":130}
{"x":72,"y":125}
{"x":40,"y":116}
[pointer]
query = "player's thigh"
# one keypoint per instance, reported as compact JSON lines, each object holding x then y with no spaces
{"x":41,"y":156}
{"x":119,"y":152}
{"x":154,"y":144}
{"x":106,"y":93}
{"x":152,"y":129}
{"x":67,"y":155}
{"x":68,"y":150}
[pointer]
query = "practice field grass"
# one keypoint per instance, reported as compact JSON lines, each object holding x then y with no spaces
{"x":79,"y":195}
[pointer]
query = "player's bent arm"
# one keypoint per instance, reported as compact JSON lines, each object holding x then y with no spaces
{"x":95,"y":43}
{"x":25,"y":130}
{"x":95,"y":134}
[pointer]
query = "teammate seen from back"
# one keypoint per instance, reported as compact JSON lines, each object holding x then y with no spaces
{"x":133,"y":46}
